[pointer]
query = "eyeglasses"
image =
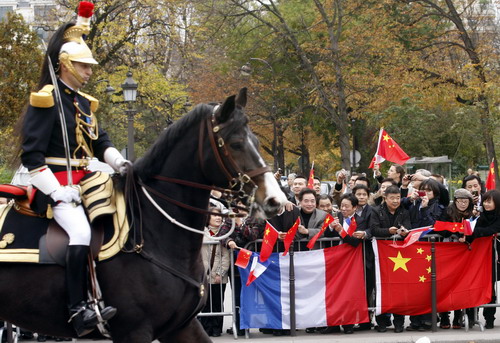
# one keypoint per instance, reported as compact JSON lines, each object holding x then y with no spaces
{"x":462,"y":201}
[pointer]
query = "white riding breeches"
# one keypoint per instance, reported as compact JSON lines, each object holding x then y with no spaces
{"x":74,"y":221}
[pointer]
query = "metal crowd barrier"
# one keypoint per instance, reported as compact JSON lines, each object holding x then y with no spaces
{"x":326,"y":243}
{"x":221,"y":294}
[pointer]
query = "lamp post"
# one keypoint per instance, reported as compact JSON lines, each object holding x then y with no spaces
{"x":246,"y":70}
{"x":109,"y":89}
{"x":129,"y":87}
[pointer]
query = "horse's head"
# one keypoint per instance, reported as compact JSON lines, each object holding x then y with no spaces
{"x":240,"y":161}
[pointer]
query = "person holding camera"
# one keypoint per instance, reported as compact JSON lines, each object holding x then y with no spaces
{"x":423,"y":204}
{"x":473,"y":184}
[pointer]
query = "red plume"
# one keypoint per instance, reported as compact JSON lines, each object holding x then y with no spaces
{"x":85,"y":9}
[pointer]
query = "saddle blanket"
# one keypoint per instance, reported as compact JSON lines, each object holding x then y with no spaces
{"x":40,"y":240}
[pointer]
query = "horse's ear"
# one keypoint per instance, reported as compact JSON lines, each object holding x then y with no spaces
{"x":241,"y":99}
{"x":225,"y":111}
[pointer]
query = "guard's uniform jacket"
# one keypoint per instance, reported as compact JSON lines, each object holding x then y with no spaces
{"x":43,"y":141}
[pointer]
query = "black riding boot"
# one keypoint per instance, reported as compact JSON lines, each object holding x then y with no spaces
{"x":84,"y":318}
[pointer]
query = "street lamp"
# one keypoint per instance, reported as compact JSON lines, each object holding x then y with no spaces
{"x":129,"y":87}
{"x":109,"y":89}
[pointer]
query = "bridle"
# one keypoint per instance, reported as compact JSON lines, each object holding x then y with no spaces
{"x":237,"y":180}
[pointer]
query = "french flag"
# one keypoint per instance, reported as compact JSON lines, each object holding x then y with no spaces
{"x":257,"y":268}
{"x":329,"y":290}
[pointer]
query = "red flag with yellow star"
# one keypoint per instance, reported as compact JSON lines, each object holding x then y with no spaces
{"x":326,"y":222}
{"x":490,"y":180}
{"x":388,"y":149}
{"x":290,"y":235}
{"x":448,"y":226}
{"x":268,"y":241}
{"x":243,"y":258}
{"x":403,"y":276}
{"x":310,"y":181}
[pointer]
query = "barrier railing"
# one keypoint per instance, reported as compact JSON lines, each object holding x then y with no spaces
{"x":321,"y":244}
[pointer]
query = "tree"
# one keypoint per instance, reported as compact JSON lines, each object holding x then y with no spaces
{"x":20,"y":60}
{"x":466,"y":44}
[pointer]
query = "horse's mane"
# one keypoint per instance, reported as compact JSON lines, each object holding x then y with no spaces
{"x":151,"y":163}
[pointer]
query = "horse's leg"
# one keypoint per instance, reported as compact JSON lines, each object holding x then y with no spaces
{"x":193,"y":332}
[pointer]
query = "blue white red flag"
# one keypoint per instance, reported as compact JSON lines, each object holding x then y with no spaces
{"x":258,"y":267}
{"x":329,"y":290}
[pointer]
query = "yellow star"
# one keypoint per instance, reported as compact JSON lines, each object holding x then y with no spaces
{"x":492,"y":171}
{"x":386,"y":137}
{"x":399,"y":262}
{"x":327,"y":220}
{"x":422,"y":279}
{"x":429,"y":270}
{"x":266,"y":233}
{"x":428,"y":258}
{"x":420,"y":251}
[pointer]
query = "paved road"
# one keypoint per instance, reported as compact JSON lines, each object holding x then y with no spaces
{"x":474,"y":335}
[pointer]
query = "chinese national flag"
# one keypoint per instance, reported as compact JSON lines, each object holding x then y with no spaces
{"x":268,"y":241}
{"x":448,"y":226}
{"x":326,"y":222}
{"x":404,"y":276}
{"x":310,"y":181}
{"x":243,"y":258}
{"x":290,"y":235}
{"x":490,"y":181}
{"x":388,"y":149}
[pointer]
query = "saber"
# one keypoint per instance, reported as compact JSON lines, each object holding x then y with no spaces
{"x":64,"y":128}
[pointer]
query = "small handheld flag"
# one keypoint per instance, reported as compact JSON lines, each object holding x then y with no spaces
{"x":310,"y":181}
{"x":290,"y":235}
{"x":268,"y":241}
{"x":326,"y":223}
{"x":243,"y":258}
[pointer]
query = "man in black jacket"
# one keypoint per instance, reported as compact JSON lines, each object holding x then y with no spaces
{"x":388,"y":219}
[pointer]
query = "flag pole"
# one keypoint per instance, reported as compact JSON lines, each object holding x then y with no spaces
{"x":433,"y":285}
{"x":293,"y":332}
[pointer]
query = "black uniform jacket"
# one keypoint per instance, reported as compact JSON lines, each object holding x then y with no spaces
{"x":42,"y":134}
{"x":380,"y":221}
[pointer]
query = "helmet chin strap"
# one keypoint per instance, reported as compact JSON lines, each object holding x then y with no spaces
{"x":64,"y":59}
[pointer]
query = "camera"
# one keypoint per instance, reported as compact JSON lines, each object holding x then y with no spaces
{"x":409,"y":177}
{"x":421,"y":193}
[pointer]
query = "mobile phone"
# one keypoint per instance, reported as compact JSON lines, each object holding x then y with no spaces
{"x":475,"y":193}
{"x":421,"y":193}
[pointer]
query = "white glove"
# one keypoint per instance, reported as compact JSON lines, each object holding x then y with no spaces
{"x":116,"y":160}
{"x":66,"y":194}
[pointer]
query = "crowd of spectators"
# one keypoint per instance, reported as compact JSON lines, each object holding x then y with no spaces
{"x":390,"y":207}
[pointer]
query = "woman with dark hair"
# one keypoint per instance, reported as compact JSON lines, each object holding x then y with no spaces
{"x":423,"y":204}
{"x":395,"y":172}
{"x":489,"y":224}
{"x":461,"y":208}
{"x":216,"y":260}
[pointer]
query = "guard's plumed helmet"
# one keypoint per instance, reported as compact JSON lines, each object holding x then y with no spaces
{"x":74,"y":48}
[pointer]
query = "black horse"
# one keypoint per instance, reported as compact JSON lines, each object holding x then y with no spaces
{"x":156,"y":289}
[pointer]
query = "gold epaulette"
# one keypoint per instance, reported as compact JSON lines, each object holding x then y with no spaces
{"x":94,"y":103}
{"x":43,"y":98}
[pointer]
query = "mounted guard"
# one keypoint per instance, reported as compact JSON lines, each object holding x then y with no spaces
{"x":60,"y":136}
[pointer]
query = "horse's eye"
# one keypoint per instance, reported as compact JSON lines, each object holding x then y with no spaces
{"x":236,"y":145}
